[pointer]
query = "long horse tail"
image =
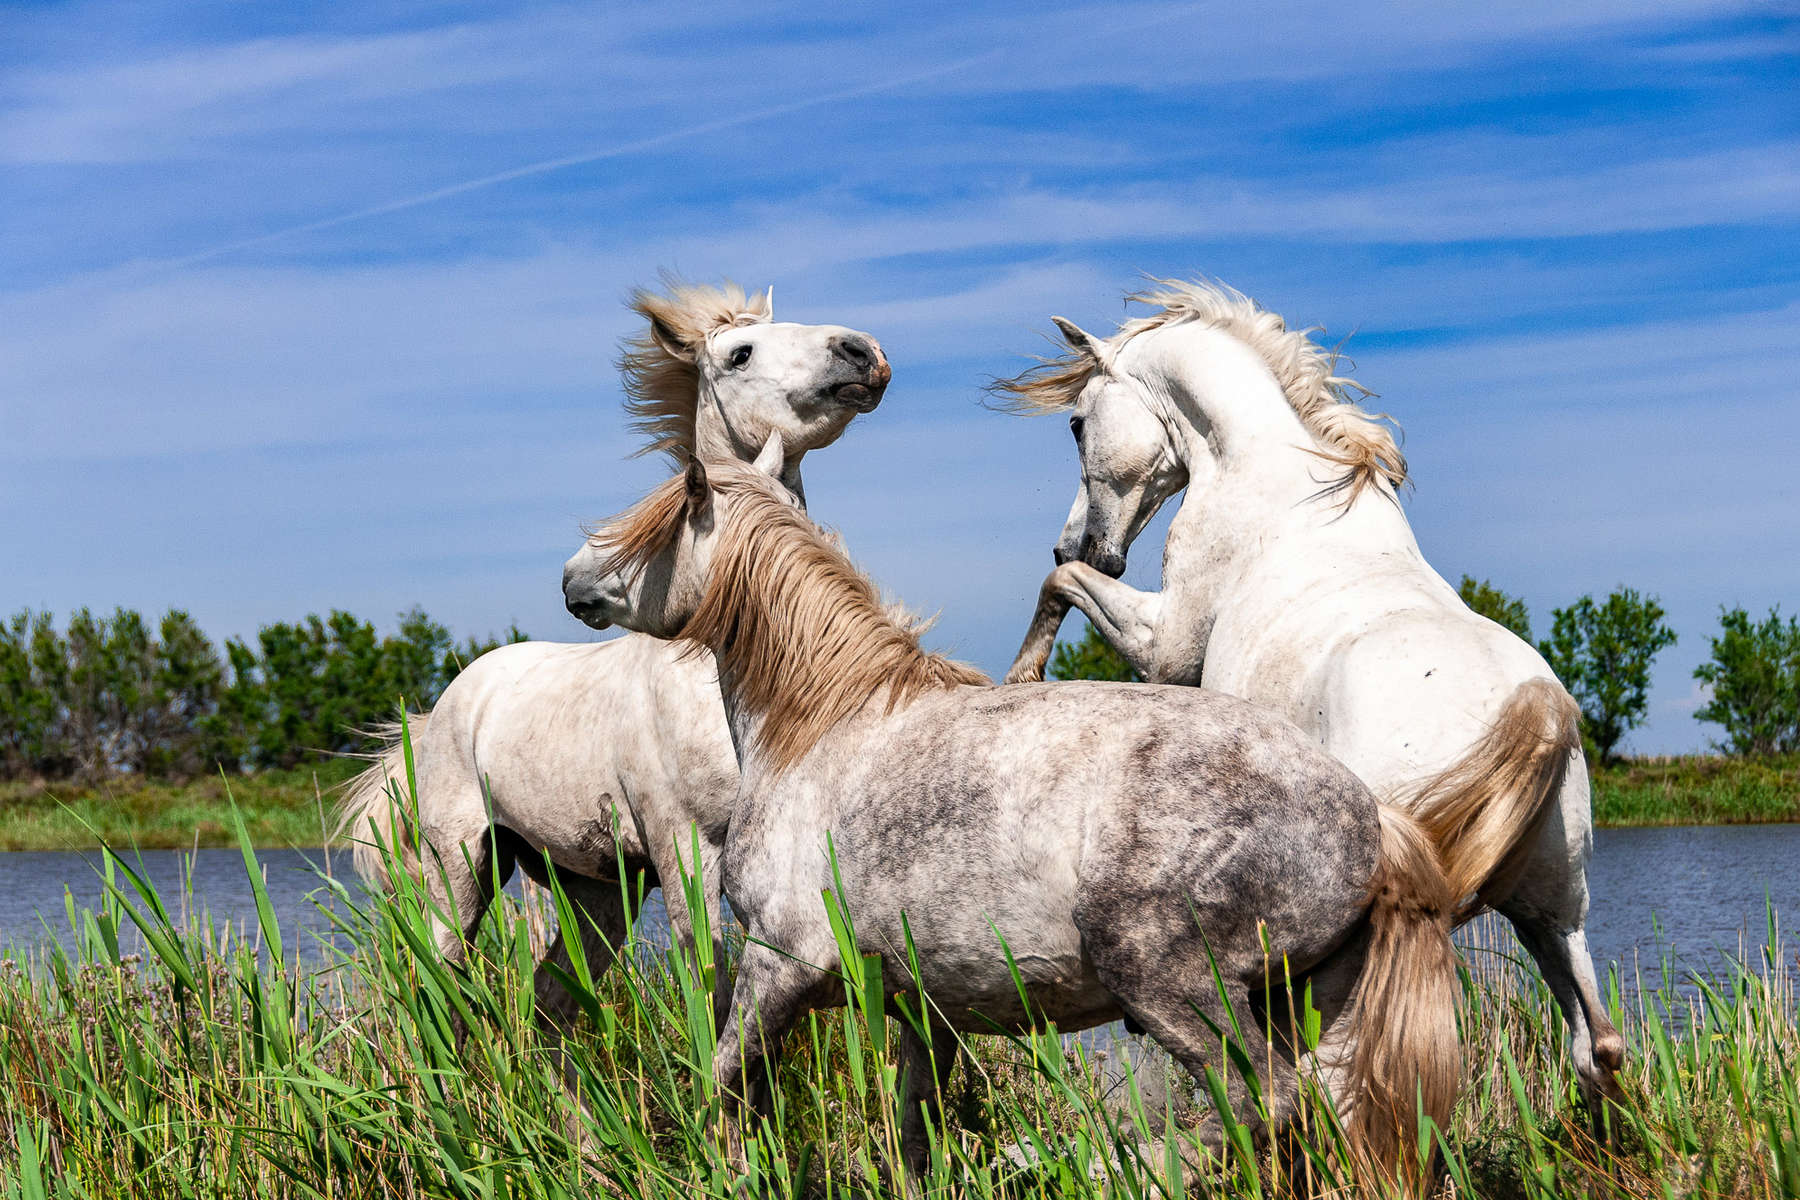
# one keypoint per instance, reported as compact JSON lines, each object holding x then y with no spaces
{"x":1482,"y":808}
{"x":375,"y":810}
{"x":1405,"y":1058}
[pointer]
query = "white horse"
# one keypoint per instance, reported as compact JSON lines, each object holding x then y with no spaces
{"x":593,"y":752}
{"x":1145,"y":851}
{"x":1291,"y":577}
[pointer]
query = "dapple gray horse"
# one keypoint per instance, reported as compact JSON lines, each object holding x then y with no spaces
{"x":1123,"y":839}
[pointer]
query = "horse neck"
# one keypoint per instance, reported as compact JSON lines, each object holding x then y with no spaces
{"x":1229,"y":417}
{"x":744,"y":722}
{"x":720,"y":434}
{"x":1260,"y":486}
{"x":750,"y":723}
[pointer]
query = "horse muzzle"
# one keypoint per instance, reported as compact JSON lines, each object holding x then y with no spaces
{"x":861,"y":358}
{"x":593,"y":616}
{"x":1104,"y":559}
{"x":582,"y":601}
{"x":859,"y":396}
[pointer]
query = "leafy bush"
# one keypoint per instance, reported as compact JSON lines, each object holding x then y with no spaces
{"x":1754,"y":675}
{"x":1602,"y":653}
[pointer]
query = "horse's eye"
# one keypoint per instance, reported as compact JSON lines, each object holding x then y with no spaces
{"x":740,"y":356}
{"x":1075,"y":427}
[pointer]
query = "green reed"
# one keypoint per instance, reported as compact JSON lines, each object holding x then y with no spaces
{"x":215,"y":1062}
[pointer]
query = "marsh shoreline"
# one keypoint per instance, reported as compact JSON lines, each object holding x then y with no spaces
{"x":292,"y":809}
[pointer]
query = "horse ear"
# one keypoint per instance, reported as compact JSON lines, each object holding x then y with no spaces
{"x":769,"y":303}
{"x":773,"y":456}
{"x":672,"y":343}
{"x":1081,"y":341}
{"x":699,"y":492}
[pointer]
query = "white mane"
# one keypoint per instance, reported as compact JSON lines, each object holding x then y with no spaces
{"x":1324,"y":401}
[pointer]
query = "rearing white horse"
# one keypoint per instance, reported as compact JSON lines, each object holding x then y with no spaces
{"x":1291,"y":577}
{"x":596,"y":751}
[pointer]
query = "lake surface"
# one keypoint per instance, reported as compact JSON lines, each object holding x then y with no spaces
{"x":1694,"y":891}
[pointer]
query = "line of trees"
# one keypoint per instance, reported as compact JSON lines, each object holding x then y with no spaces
{"x":116,"y":694}
{"x":110,"y":695}
{"x":1603,"y":650}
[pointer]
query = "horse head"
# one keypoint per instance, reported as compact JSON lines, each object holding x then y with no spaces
{"x":713,"y":375}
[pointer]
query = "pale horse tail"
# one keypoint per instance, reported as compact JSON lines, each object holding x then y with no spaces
{"x":1405,"y":1058}
{"x":1480,"y":812}
{"x":375,"y":807}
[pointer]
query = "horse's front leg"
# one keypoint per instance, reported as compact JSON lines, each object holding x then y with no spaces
{"x":925,"y":1070}
{"x":771,"y":994}
{"x":599,"y":920}
{"x":1125,"y":617}
{"x":682,"y":878}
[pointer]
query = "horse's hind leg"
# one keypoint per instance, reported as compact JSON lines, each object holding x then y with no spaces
{"x":1195,"y":1032}
{"x":1547,"y":904}
{"x":1562,"y":956}
{"x":1169,"y":987}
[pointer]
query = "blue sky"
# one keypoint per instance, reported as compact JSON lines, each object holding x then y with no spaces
{"x":311,"y":306}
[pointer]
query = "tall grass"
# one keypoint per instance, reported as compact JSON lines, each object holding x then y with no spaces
{"x":147,"y":1059}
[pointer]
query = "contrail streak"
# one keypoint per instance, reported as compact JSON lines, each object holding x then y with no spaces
{"x":547,"y":165}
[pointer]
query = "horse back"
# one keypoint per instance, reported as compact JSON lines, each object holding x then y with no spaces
{"x":1124,"y":806}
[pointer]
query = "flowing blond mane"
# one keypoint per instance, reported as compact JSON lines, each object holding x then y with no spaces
{"x":1325,"y":401}
{"x":801,"y":635}
{"x":662,"y":386}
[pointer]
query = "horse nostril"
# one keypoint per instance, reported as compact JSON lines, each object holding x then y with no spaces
{"x":857,"y":351}
{"x":1060,"y":555}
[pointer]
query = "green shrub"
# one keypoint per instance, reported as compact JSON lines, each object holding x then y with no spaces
{"x":1090,"y":658}
{"x":1602,"y":653}
{"x":1754,"y":678}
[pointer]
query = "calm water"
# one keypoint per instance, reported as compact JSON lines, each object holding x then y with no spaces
{"x":34,"y":886}
{"x":1692,"y":890}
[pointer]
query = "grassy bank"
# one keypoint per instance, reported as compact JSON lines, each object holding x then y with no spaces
{"x":210,"y":1067}
{"x":281,"y":808}
{"x":1698,"y":790}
